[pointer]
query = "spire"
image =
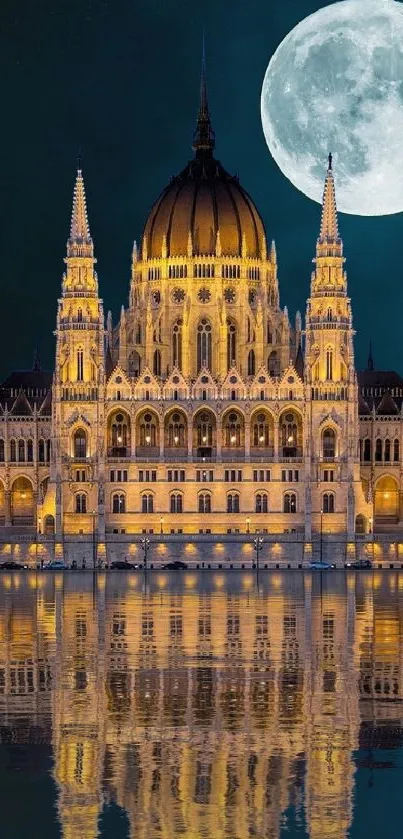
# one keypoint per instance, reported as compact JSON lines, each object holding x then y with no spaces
{"x":329,"y":240}
{"x":80,"y":242}
{"x":204,"y":138}
{"x":370,"y":362}
{"x":37,"y":361}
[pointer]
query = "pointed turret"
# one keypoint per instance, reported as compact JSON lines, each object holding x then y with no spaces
{"x":329,"y":242}
{"x":80,"y":242}
{"x":204,"y":138}
{"x":370,"y":362}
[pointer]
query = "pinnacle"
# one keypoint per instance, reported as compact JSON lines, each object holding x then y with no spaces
{"x":79,"y":229}
{"x":204,"y":139}
{"x":329,"y":226}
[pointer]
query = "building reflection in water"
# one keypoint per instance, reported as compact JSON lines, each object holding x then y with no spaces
{"x":203,"y":706}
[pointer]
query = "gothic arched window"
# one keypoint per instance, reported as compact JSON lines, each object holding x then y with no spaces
{"x":204,"y":429}
{"x":13,"y":451}
{"x":177,"y":344}
{"x":329,"y":443}
{"x":157,"y":363}
{"x":80,"y":443}
{"x":41,"y":451}
{"x":1,"y":450}
{"x":233,"y":430}
{"x":30,"y":451}
{"x":260,"y":431}
{"x":396,"y":450}
{"x":328,"y":502}
{"x":80,"y":365}
{"x":251,"y":363}
{"x":176,"y":430}
{"x":261,"y":503}
{"x":21,"y":451}
{"x":118,"y":502}
{"x":231,"y":344}
{"x":147,"y":503}
{"x":176,"y":502}
{"x":367,"y":450}
{"x":81,"y":502}
{"x":387,"y":450}
{"x":204,"y":502}
{"x":148,"y":430}
{"x":204,"y":345}
{"x":378,"y":450}
{"x":290,"y":502}
{"x":233,"y":502}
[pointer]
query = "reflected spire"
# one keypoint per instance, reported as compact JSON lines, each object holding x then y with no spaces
{"x":204,"y":137}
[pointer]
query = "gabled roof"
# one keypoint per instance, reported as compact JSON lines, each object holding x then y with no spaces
{"x":34,"y":384}
{"x":21,"y":406}
{"x":381,"y":390}
{"x":387,"y":405}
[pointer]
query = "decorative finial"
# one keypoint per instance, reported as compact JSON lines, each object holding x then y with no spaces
{"x":204,"y":138}
{"x":330,"y":158}
{"x":80,"y":242}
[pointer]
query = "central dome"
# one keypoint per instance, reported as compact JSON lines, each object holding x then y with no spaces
{"x":202,"y":201}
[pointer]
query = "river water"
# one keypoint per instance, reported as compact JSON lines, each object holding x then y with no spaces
{"x":209,"y":705}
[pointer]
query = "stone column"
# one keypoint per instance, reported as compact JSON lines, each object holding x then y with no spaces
{"x":7,"y":512}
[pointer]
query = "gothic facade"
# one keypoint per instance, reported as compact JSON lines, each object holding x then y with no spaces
{"x":205,"y":410}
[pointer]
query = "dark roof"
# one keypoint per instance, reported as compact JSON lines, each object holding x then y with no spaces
{"x":381,"y":390}
{"x":299,"y":363}
{"x":23,"y":389}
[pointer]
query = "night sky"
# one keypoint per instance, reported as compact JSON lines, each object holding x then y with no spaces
{"x":118,"y":81}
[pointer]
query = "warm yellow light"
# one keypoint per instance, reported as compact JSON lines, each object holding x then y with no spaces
{"x":290,"y":439}
{"x":23,"y":495}
{"x":119,"y":439}
{"x":204,"y":439}
{"x":261,"y":439}
{"x":148,"y":439}
{"x":386,"y":495}
{"x":233,"y":439}
{"x":176,"y":440}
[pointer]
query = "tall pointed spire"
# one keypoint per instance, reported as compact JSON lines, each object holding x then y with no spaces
{"x":370,"y":362}
{"x":329,"y":242}
{"x":204,"y":138}
{"x":80,"y":242}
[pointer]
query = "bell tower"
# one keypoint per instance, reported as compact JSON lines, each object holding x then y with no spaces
{"x":332,"y":397}
{"x":78,"y":387}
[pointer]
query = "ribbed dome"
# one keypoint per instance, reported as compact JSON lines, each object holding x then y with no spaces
{"x":203,"y":200}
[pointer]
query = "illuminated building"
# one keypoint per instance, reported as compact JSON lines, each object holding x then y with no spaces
{"x":203,"y":410}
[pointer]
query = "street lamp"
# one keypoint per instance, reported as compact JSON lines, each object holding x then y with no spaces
{"x":258,"y":545}
{"x":248,"y":525}
{"x":145,"y":544}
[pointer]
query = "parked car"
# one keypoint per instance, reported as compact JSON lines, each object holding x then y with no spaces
{"x":176,"y":565}
{"x":55,"y":565}
{"x":122,"y":565}
{"x":12,"y":566}
{"x":321,"y":566}
{"x":359,"y":564}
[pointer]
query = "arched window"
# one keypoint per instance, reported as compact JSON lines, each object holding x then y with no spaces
{"x":396,"y":451}
{"x":261,"y":503}
{"x":269,"y":332}
{"x":138,"y":334}
{"x":378,"y":449}
{"x":21,"y":451}
{"x":251,"y":363}
{"x":204,"y":430}
{"x":147,"y":503}
{"x":204,"y":345}
{"x":176,"y":431}
{"x":79,"y":315}
{"x":273,"y":364}
{"x":328,"y":502}
{"x":176,"y":502}
{"x":48,"y":450}
{"x":148,"y":430}
{"x":260,"y":431}
{"x":1,"y":450}
{"x":231,"y":344}
{"x":387,"y":450}
{"x":289,"y":434}
{"x":177,"y":344}
{"x":329,"y":443}
{"x":329,"y":365}
{"x":13,"y":451}
{"x":80,"y":365}
{"x":118,"y":502}
{"x":290,"y":502}
{"x":233,"y":430}
{"x":233,"y":502}
{"x":157,"y":363}
{"x":80,"y":443}
{"x":205,"y":502}
{"x":367,"y":450}
{"x":81,"y":502}
{"x":30,"y":451}
{"x":41,"y":451}
{"x":134,"y":364}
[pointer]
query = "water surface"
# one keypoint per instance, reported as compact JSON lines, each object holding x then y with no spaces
{"x":201,"y":705}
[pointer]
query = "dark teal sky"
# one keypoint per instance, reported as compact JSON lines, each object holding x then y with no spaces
{"x":119,"y":80}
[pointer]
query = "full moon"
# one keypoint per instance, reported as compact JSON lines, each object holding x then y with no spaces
{"x":335,"y":84}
